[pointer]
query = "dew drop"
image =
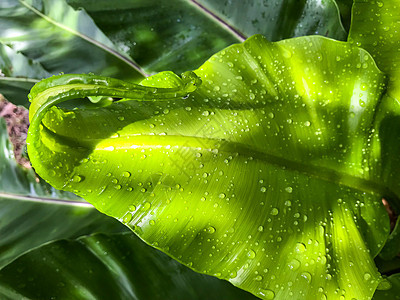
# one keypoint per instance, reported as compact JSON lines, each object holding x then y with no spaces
{"x":367,"y":276}
{"x":274,"y":211}
{"x":132,"y":207}
{"x":152,"y":222}
{"x":210,"y":229}
{"x":271,"y":115}
{"x":266,"y":294}
{"x":222,"y":196}
{"x":127,"y":218}
{"x":251,"y":254}
{"x":146,"y":206}
{"x":263,"y":189}
{"x":307,"y":123}
{"x":294,"y":264}
{"x":300,"y":248}
{"x":289,"y":189}
{"x":328,"y":276}
{"x":126,"y":174}
{"x":261,"y":228}
{"x":77,"y":178}
{"x":307,"y":276}
{"x":258,"y":278}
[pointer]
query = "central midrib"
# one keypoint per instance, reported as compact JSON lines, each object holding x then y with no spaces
{"x":320,"y":172}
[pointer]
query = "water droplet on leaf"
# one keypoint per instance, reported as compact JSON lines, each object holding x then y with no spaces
{"x":251,"y":254}
{"x":274,"y":211}
{"x":294,"y":264}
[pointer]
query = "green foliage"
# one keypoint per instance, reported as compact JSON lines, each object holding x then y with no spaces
{"x":265,"y":166}
{"x":108,"y":267}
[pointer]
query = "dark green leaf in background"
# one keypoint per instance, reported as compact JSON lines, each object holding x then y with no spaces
{"x":279,"y":19}
{"x":52,"y":34}
{"x":108,"y":267}
{"x":376,"y":28}
{"x":18,"y":74}
{"x":345,"y":12}
{"x":389,"y":289}
{"x":160,"y":35}
{"x":180,"y":35}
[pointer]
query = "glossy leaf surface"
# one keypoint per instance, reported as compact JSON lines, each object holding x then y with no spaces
{"x":32,"y":214}
{"x":375,"y":27}
{"x":108,"y":267}
{"x":268,"y":174}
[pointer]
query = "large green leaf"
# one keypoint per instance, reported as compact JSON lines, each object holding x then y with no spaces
{"x":107,"y":267}
{"x":269,"y":174}
{"x":32,"y":213}
{"x":179,"y":35}
{"x":61,"y":39}
{"x":375,"y":27}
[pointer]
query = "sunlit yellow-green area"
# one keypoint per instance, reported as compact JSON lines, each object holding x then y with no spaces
{"x":268,"y":174}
